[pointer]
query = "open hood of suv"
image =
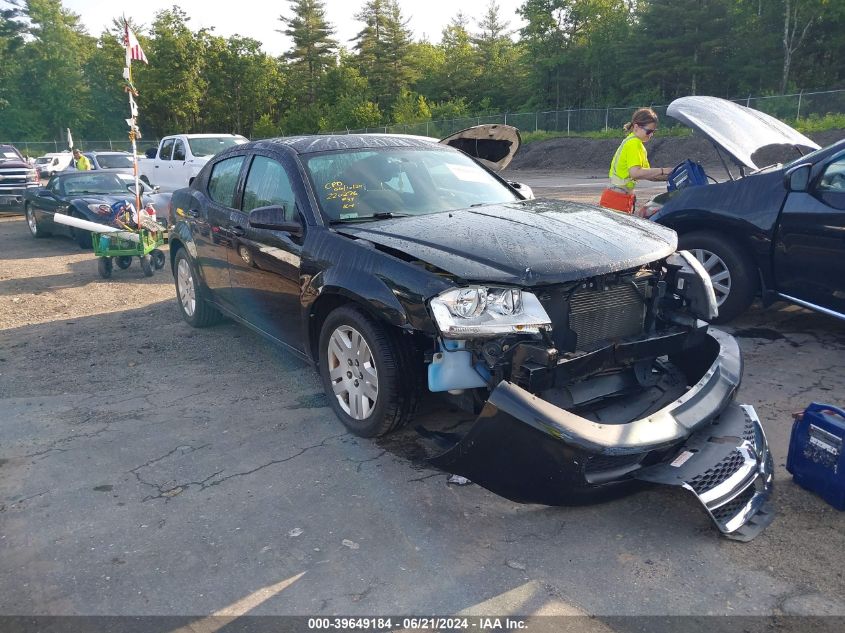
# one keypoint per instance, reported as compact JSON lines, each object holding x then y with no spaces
{"x":494,"y":145}
{"x":738,"y":130}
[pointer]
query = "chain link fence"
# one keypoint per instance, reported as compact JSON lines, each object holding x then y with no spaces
{"x":788,"y":108}
{"x":39,"y":148}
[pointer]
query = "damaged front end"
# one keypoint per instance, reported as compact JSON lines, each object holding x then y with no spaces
{"x":586,"y":388}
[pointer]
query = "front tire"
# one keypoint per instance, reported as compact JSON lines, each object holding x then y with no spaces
{"x":731,"y":270}
{"x":32,"y":224}
{"x":147,"y":265}
{"x":190,"y":294}
{"x":365,"y":374}
{"x":105,"y":267}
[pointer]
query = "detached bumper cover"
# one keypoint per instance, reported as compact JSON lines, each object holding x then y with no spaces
{"x":528,"y":450}
{"x":728,"y":467}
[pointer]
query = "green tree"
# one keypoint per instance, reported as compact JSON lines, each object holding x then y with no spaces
{"x":55,"y":87}
{"x":313,"y":48}
{"x":243,"y":83}
{"x":173,"y":85}
{"x":383,"y":48}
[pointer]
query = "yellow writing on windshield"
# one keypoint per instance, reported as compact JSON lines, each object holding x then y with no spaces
{"x":345,"y":193}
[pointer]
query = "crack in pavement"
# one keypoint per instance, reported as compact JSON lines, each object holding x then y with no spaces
{"x":168,"y":492}
{"x":361,"y":462}
{"x":427,"y":477}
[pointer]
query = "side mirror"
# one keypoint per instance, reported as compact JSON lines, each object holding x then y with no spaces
{"x":44,"y":193}
{"x":798,"y":178}
{"x":273,"y":218}
{"x":151,"y":153}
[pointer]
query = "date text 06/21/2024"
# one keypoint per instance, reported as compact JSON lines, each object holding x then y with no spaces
{"x":436,"y":623}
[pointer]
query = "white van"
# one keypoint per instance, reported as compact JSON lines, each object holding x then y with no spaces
{"x":50,"y":164}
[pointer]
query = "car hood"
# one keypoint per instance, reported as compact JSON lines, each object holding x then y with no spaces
{"x":524,"y":243}
{"x":492,"y":144}
{"x":738,"y":130}
{"x":15,"y":164}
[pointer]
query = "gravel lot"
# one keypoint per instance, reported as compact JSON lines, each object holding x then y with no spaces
{"x":148,"y":468}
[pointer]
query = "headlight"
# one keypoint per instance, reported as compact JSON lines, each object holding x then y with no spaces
{"x":101,"y":209}
{"x":32,"y":175}
{"x":480,"y":312}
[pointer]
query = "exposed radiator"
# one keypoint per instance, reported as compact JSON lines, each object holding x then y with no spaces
{"x":596,"y":315}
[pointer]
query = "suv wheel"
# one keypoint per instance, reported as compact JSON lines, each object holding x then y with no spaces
{"x":731,"y":271}
{"x":32,"y":223}
{"x":191,"y":296}
{"x":364,"y":373}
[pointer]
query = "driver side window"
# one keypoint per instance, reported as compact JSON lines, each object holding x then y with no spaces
{"x":833,"y":178}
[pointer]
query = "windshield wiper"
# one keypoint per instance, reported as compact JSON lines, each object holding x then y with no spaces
{"x":387,"y":215}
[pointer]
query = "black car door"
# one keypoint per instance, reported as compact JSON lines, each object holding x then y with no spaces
{"x":264,"y":266}
{"x":47,"y":202}
{"x":211,"y":218}
{"x":810,"y":248}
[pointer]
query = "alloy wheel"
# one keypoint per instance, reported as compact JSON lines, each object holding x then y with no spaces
{"x":31,"y":222}
{"x":720,"y":275}
{"x":352,"y":371}
{"x":185,"y":286}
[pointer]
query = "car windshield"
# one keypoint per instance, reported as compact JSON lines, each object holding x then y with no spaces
{"x":114,"y":161}
{"x":388,"y":182}
{"x":43,"y":160}
{"x":210,"y":145}
{"x":94,"y":183}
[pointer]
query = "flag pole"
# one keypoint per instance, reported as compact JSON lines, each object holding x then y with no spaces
{"x":132,"y":120}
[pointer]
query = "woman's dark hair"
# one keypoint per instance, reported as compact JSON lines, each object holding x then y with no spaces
{"x":641,"y":117}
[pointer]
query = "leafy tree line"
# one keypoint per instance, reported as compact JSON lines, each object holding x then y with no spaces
{"x":569,"y":53}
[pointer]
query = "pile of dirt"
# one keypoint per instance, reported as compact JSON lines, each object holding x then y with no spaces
{"x":587,"y":154}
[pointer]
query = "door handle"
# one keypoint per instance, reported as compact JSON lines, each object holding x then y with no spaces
{"x":156,"y":166}
{"x":194,"y":213}
{"x":238,"y":231}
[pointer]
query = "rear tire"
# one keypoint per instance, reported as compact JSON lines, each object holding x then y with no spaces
{"x":32,"y":224}
{"x":123,"y":262}
{"x":191,"y":296}
{"x":730,"y":258}
{"x":104,"y":265}
{"x":366,"y":373}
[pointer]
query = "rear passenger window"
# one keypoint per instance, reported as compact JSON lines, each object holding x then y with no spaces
{"x":268,"y":184}
{"x":179,"y":151}
{"x":224,"y":180}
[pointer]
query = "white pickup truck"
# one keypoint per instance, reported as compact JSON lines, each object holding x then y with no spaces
{"x":179,"y":158}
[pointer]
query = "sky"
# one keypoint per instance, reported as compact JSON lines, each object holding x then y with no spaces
{"x":259,"y":19}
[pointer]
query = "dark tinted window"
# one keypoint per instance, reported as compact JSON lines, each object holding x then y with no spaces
{"x":166,"y":149}
{"x":268,"y":184}
{"x":224,"y":180}
{"x":833,"y":178}
{"x":179,"y":151}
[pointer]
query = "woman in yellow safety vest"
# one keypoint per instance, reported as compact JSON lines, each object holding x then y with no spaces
{"x":630,"y":162}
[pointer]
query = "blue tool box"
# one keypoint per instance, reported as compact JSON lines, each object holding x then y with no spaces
{"x":815,"y":458}
{"x":687,"y":174}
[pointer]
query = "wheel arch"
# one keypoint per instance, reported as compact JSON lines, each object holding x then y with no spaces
{"x":333,"y":297}
{"x":756,"y":245}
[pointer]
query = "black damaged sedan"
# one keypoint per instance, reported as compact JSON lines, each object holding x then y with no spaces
{"x":402,"y":269}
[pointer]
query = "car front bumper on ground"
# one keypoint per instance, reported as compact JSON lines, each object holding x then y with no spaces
{"x":526,"y":449}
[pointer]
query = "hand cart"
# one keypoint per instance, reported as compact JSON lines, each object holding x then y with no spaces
{"x":120,"y":247}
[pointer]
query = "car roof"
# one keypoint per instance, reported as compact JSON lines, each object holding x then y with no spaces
{"x":326,"y":142}
{"x":108,"y":152}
